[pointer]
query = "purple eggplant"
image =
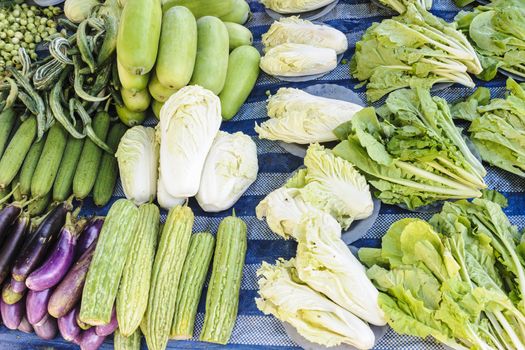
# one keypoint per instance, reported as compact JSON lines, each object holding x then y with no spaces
{"x":109,"y":328}
{"x":9,"y":296}
{"x":35,"y":250}
{"x":36,"y":305}
{"x":90,"y":340}
{"x":57,"y":264}
{"x":8,"y":216}
{"x":47,"y":328}
{"x":25,"y":326}
{"x":68,"y":326}
{"x":12,"y":314}
{"x":18,"y":233}
{"x":88,"y":236}
{"x":68,"y":293}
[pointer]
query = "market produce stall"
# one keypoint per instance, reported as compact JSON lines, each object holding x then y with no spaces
{"x":256,"y":194}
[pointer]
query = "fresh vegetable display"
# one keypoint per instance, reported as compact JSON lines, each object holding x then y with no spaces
{"x":328,"y":183}
{"x":496,"y":32}
{"x":410,"y":151}
{"x":415,"y":48}
{"x":299,"y":117}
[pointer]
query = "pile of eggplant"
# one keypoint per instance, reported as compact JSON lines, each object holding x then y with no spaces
{"x":43,"y":267}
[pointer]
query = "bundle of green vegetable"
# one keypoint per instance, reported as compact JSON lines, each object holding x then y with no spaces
{"x":498,"y":127}
{"x":497,"y":31}
{"x":411,"y":151}
{"x":415,"y":48}
{"x":24,"y":26}
{"x":459,"y":278}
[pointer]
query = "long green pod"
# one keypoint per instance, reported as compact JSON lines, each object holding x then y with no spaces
{"x":29,"y":166}
{"x":83,"y":45}
{"x":88,"y":165}
{"x":192,"y":281}
{"x":127,"y":343}
{"x":105,"y":271}
{"x":177,"y":49}
{"x":108,"y":170}
{"x":212,"y":54}
{"x":62,"y":188}
{"x":16,"y":151}
{"x":135,"y":284}
{"x":222,"y":299}
{"x":139,"y":34}
{"x":109,"y":44}
{"x":165,"y":277}
{"x":7,"y":123}
{"x":49,"y":162}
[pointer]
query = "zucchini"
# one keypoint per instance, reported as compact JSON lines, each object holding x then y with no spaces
{"x":88,"y":164}
{"x":128,"y":117}
{"x":241,"y":13}
{"x":222,"y":299}
{"x":105,"y":271}
{"x":192,"y":280}
{"x":16,"y":151}
{"x":131,"y":81}
{"x":177,"y":49}
{"x":138,"y":35}
{"x":212,"y":54}
{"x":127,"y":343}
{"x":136,"y":101}
{"x":242,"y":76}
{"x":135,"y":283}
{"x":201,"y":8}
{"x":29,"y":166}
{"x":108,"y":170}
{"x":165,"y":277}
{"x":62,"y":187}
{"x":156,"y":106}
{"x":158,"y":91}
{"x":49,"y":162}
{"x":39,"y":205}
{"x":7,"y":123}
{"x":238,"y":35}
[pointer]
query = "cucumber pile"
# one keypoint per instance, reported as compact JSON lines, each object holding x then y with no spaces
{"x":53,"y":168}
{"x":161,"y":49}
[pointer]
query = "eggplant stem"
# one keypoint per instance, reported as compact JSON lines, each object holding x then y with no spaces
{"x":7,"y":196}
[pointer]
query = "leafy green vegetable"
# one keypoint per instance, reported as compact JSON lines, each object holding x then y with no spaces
{"x":498,"y":33}
{"x":458,"y":278}
{"x":415,"y":48}
{"x":498,"y":129}
{"x":411,"y":151}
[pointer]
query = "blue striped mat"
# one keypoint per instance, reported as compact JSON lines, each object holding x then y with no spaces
{"x":254,"y":330}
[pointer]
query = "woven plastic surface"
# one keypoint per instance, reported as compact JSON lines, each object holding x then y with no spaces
{"x":253,"y":330}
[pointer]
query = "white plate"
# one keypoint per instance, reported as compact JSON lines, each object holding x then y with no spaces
{"x":303,"y":78}
{"x":309,"y":15}
{"x":379,"y":332}
{"x":332,"y":91}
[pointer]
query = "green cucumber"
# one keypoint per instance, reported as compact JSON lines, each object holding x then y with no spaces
{"x":7,"y":123}
{"x":29,"y":166}
{"x":62,"y":188}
